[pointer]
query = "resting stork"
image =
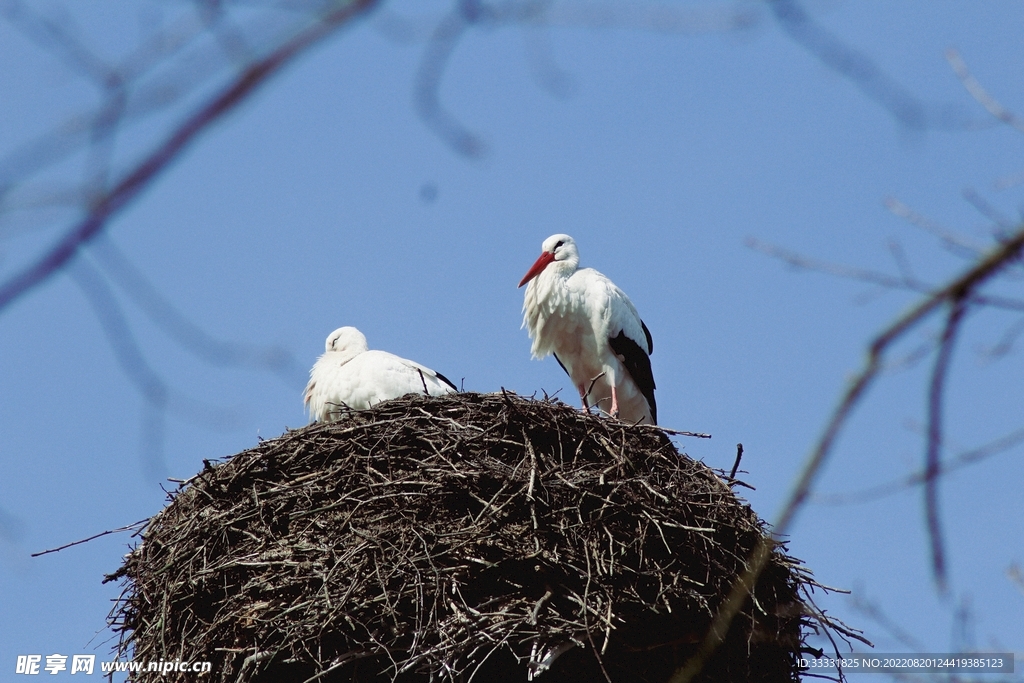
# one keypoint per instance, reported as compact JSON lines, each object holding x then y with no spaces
{"x":592,"y":329}
{"x":348,"y":376}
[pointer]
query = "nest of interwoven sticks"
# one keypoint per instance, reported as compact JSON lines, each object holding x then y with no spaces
{"x":471,"y":535}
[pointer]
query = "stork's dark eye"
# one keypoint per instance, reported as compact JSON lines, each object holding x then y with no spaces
{"x":558,"y":244}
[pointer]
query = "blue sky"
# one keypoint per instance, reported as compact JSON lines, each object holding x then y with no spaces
{"x":325,"y":201}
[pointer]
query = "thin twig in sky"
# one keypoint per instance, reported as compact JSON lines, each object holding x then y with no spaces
{"x":957,"y":290}
{"x":142,"y":175}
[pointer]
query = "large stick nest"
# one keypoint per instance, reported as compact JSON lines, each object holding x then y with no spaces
{"x":453,"y":537}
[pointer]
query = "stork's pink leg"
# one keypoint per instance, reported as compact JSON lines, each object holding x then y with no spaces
{"x":615,"y":403}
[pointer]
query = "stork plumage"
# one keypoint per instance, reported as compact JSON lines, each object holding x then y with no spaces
{"x":592,"y":329}
{"x":350,"y":376}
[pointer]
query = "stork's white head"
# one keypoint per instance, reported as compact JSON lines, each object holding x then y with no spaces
{"x":347,"y":340}
{"x":558,"y":249}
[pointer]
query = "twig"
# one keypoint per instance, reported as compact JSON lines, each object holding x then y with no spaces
{"x":957,"y":290}
{"x":123,"y":193}
{"x":874,"y":277}
{"x":586,"y":624}
{"x":134,"y":283}
{"x":445,"y":37}
{"x":676,"y":432}
{"x":341,"y":661}
{"x":1006,"y":342}
{"x":736,"y":464}
{"x":130,"y":527}
{"x":932,"y":463}
{"x":872,"y":610}
{"x":960,"y":245}
{"x":850,"y":63}
{"x":975,"y":89}
{"x":251,"y":661}
{"x":900,"y":257}
{"x":963,"y":459}
{"x":130,"y":357}
{"x":987,"y":210}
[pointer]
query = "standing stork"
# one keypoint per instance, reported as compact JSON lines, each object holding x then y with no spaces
{"x":592,"y":329}
{"x":348,"y":376}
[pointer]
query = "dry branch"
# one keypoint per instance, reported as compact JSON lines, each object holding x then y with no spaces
{"x":124,"y":192}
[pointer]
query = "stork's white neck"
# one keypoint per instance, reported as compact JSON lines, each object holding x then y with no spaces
{"x":565,"y":268}
{"x":547,"y":286}
{"x":344,"y":355}
{"x":548,"y":300}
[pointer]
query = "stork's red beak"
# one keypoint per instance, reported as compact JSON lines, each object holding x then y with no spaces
{"x":535,"y":270}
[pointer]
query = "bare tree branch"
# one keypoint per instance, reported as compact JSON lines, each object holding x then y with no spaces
{"x":988,"y":211}
{"x":129,"y":356}
{"x":54,"y":37}
{"x":541,"y":58}
{"x":964,"y":459}
{"x":897,"y":632}
{"x":975,"y":89}
{"x":961,"y":246}
{"x":153,"y":388}
{"x":850,"y":63}
{"x":67,"y":138}
{"x":163,"y":313}
{"x":1006,"y":342}
{"x":139,"y":178}
{"x":874,"y":277}
{"x":957,"y":290}
{"x":428,"y":84}
{"x":902,"y":262}
{"x":936,"y":393}
{"x":447,"y":33}
{"x":655,"y":18}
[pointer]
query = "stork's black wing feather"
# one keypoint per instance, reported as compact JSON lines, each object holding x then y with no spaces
{"x":561,"y":363}
{"x":650,"y":341}
{"x":638,"y":365}
{"x":446,"y":380}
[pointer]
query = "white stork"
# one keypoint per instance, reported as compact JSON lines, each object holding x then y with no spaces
{"x":592,"y":329}
{"x":348,"y":376}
